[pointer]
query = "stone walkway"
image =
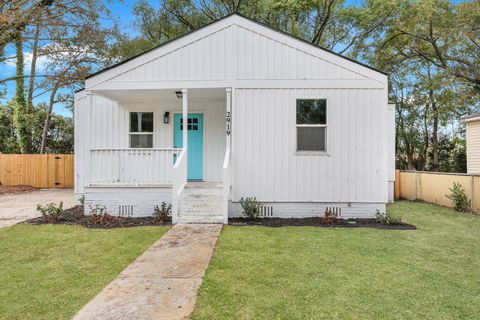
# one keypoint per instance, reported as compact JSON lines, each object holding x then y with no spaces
{"x":162,"y":283}
{"x":16,"y":208}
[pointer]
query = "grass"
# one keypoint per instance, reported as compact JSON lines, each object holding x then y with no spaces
{"x":51,"y":271}
{"x":319,"y":273}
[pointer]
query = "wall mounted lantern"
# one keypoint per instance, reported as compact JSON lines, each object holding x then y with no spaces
{"x":166,"y":117}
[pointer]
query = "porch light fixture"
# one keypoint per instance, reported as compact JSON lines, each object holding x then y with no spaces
{"x":166,"y":117}
{"x":179,"y":94}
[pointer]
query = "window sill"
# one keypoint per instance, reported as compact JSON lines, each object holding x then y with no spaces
{"x":312,"y":153}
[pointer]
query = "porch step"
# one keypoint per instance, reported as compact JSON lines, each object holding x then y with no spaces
{"x":201,"y":203}
{"x":200,"y":219}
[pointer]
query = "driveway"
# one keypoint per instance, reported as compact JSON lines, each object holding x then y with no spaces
{"x":20,"y":207}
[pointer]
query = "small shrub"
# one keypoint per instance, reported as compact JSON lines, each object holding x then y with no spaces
{"x":330,"y":216}
{"x":251,"y":207}
{"x":82,"y":200}
{"x":385,"y":218}
{"x":51,"y":212}
{"x":161,"y":214}
{"x":458,"y":197}
{"x":99,"y":215}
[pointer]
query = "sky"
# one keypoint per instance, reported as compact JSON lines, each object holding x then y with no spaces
{"x":121,"y":11}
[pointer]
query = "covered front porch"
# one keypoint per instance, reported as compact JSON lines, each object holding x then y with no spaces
{"x":144,"y":143}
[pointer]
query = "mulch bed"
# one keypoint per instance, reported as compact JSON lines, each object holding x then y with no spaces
{"x":317,"y":222}
{"x":75,"y":216}
{"x":9,"y":190}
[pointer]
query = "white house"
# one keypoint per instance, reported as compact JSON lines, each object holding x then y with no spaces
{"x":473,"y":143}
{"x":269,"y":115}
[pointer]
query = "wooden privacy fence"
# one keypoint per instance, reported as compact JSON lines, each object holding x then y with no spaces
{"x":433,"y":186}
{"x":37,"y":170}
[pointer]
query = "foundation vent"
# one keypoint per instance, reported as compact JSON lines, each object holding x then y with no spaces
{"x":125,"y":210}
{"x":335,"y":211}
{"x":266,"y":211}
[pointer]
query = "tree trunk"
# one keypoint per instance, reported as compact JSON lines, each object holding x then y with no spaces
{"x":435,"y":162}
{"x":46,"y":125}
{"x":21,"y":118}
{"x":410,"y":161}
{"x":426,"y":139}
{"x":433,"y":104}
{"x":31,"y":84}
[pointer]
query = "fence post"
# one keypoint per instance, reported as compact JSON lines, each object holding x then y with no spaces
{"x":416,"y":186}
{"x":472,"y":184}
{"x":397,"y":194}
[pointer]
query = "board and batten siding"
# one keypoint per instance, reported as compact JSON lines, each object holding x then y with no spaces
{"x":233,"y":49}
{"x":258,"y":57}
{"x":473,"y":147}
{"x":106,"y":125}
{"x":266,"y":164}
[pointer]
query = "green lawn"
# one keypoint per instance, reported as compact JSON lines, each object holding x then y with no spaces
{"x":318,"y":273}
{"x":50,"y":272}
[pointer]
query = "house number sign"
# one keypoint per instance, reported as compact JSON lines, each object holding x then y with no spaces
{"x":228,"y":120}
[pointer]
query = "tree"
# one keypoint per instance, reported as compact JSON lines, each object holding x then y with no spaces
{"x":441,"y":33}
{"x":328,"y":23}
{"x":21,"y":113}
{"x":15,"y":15}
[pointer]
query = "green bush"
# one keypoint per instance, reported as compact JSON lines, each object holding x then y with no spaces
{"x":458,"y":197}
{"x":385,"y":218}
{"x":161,"y":214}
{"x":251,"y":207}
{"x":51,"y":212}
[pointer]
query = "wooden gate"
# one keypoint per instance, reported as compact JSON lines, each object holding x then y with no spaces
{"x":37,"y":170}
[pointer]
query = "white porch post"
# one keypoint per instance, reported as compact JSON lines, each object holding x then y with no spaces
{"x":228,"y":119}
{"x":226,"y":161}
{"x":185,"y":117}
{"x":88,"y":172}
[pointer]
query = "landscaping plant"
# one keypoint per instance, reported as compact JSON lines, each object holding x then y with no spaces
{"x":161,"y":214}
{"x":99,"y":215}
{"x":51,"y":212}
{"x":458,"y":197}
{"x":251,"y":207}
{"x":385,"y":218}
{"x":330,"y":216}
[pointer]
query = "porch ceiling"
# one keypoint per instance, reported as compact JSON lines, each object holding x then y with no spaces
{"x":162,"y":94}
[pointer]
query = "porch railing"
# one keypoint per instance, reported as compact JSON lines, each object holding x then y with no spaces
{"x":226,"y":184}
{"x":132,"y":166}
{"x":179,"y":182}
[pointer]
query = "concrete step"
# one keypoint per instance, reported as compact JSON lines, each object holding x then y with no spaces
{"x":201,"y":198}
{"x":200,"y":219}
{"x":202,"y":191}
{"x":200,"y":207}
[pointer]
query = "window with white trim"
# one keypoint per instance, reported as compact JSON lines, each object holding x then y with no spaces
{"x":141,"y":130}
{"x":311,"y":124}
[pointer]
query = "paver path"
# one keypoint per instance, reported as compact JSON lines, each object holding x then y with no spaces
{"x":16,"y":208}
{"x":162,"y":283}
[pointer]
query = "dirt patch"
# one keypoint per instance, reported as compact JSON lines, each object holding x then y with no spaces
{"x":317,"y":222}
{"x":75,"y":216}
{"x":8,"y":190}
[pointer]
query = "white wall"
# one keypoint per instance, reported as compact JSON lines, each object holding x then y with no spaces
{"x":265,"y":161}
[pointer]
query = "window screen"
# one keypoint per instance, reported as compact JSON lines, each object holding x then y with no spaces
{"x":311,"y":124}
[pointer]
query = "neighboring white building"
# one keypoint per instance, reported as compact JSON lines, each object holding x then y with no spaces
{"x":269,"y":115}
{"x":473,"y":143}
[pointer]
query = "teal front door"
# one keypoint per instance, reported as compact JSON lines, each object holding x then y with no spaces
{"x":195,"y":142}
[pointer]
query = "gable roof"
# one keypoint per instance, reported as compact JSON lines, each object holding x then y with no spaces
{"x":223,"y":18}
{"x":472,"y":117}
